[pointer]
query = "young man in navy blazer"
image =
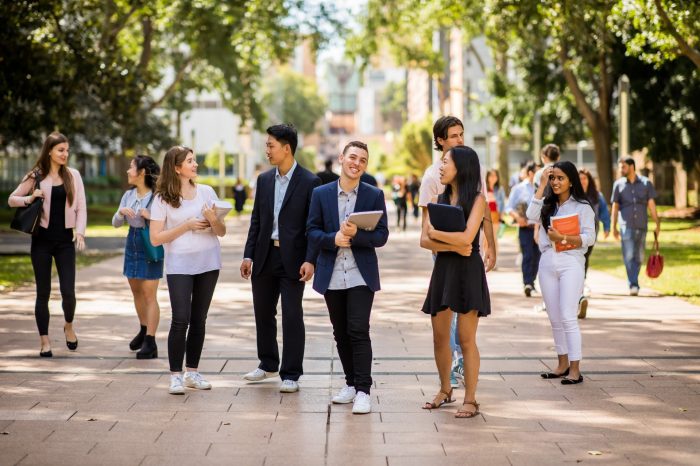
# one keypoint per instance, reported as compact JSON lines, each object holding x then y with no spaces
{"x":347,"y":273}
{"x":277,"y":258}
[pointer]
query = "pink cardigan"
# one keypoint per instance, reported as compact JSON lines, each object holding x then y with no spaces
{"x":76,"y":213}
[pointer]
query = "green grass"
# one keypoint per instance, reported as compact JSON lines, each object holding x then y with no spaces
{"x":16,"y":269}
{"x":680,"y":247}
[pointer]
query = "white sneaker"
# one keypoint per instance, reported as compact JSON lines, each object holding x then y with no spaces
{"x":362,"y":404}
{"x":289,"y":386}
{"x":634,"y":291}
{"x":195,"y":380}
{"x":176,"y":387}
{"x":345,"y":395}
{"x":258,"y":374}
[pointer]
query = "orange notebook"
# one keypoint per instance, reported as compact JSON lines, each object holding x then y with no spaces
{"x":566,"y":225}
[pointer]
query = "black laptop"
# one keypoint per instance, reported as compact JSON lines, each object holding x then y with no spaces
{"x":445,"y":217}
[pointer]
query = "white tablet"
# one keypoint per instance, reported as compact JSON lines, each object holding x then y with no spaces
{"x":366,"y":220}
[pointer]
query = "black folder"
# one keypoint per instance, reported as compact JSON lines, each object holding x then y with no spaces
{"x":445,"y":217}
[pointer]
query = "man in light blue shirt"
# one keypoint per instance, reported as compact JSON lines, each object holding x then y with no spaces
{"x":520,"y":197}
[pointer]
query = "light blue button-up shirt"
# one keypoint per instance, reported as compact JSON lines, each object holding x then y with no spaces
{"x":345,"y":272}
{"x":586,"y":218}
{"x":281,"y":185}
{"x":520,"y":197}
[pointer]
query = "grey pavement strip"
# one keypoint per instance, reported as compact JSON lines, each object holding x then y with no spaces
{"x":386,"y":358}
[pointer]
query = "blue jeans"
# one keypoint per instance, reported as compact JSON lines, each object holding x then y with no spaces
{"x":633,"y":242}
{"x":454,"y":336}
{"x":531,"y":254}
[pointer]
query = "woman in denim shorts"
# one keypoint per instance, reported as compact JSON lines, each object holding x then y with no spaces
{"x":143,"y":275}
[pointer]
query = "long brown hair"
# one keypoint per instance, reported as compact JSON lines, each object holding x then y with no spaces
{"x":43,"y":164}
{"x":169,"y":187}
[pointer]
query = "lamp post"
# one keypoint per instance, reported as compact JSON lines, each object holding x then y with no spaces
{"x":537,"y":137}
{"x":579,"y":153}
{"x":624,"y":134}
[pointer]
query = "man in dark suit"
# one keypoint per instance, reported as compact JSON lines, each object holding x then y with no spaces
{"x":327,"y":175}
{"x":347,"y":272}
{"x":276,"y":257}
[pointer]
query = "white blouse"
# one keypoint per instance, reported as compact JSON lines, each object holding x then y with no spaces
{"x":191,"y":253}
{"x":570,"y":206}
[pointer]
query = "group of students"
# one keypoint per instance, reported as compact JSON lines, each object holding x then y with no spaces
{"x":299,"y":229}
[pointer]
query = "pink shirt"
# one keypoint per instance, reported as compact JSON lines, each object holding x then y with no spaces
{"x":76,"y":213}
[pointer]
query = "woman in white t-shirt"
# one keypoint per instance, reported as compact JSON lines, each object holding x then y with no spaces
{"x":184,"y":221}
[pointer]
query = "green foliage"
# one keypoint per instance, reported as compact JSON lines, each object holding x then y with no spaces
{"x":292,"y":97}
{"x":646,"y":34}
{"x":96,"y":69}
{"x":414,"y":151}
{"x":393,"y":105}
{"x":306,"y":157}
{"x":212,"y":158}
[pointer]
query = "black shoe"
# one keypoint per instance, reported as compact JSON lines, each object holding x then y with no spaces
{"x":138,"y":339}
{"x":567,"y":381}
{"x":554,"y":375}
{"x":149,"y":349}
{"x":528,"y":290}
{"x":45,"y":354}
{"x":72,"y":345}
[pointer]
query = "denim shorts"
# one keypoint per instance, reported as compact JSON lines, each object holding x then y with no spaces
{"x":135,"y":264}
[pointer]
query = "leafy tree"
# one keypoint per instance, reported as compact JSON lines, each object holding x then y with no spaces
{"x":657,"y":31}
{"x":414,"y":152}
{"x":292,"y":97}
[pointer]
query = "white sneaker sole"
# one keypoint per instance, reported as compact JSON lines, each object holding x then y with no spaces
{"x":176,"y":391}
{"x":196,"y":387}
{"x":289,"y":390}
{"x":341,"y":401}
{"x":361,"y":411}
{"x":268,"y":375}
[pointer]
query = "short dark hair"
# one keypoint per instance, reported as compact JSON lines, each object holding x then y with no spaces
{"x":285,"y":133}
{"x":531,"y":167}
{"x":441,"y":126}
{"x":358,"y":144}
{"x":627,"y":160}
{"x":551,"y":151}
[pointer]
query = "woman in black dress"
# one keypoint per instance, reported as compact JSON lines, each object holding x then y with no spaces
{"x":458,"y":283}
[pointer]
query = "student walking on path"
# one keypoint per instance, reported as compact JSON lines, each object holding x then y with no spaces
{"x":278,"y":259}
{"x":458,"y":282}
{"x":64,"y":210}
{"x":183,"y":219}
{"x":347,"y":272}
{"x":632,"y":195}
{"x":143,"y":274}
{"x":561,"y":269}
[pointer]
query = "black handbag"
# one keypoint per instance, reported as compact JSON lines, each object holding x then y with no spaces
{"x":26,"y":219}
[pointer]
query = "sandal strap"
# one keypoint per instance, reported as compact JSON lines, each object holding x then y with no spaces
{"x":473,"y":403}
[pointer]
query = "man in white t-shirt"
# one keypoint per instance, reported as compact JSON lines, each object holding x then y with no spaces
{"x":448,"y":132}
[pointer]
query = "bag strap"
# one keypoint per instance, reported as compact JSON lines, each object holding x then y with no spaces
{"x":656,"y":243}
{"x":148,"y":205}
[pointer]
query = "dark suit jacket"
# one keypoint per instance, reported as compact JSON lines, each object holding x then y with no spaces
{"x":292,"y":221}
{"x":323,"y":224}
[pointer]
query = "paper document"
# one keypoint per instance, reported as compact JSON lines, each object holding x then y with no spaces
{"x":221,"y":208}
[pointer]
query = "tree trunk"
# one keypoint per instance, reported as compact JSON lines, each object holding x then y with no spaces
{"x":603,"y":158}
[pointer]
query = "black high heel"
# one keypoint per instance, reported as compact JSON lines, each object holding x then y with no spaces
{"x":554,"y":375}
{"x":72,"y":345}
{"x":137,"y":341}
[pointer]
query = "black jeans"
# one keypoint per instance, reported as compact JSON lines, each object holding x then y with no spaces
{"x":531,"y":254}
{"x":349,"y":311}
{"x":271,"y":283}
{"x":43,"y":251}
{"x":190,"y":297}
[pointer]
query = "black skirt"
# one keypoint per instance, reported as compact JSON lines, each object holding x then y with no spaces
{"x":458,"y":283}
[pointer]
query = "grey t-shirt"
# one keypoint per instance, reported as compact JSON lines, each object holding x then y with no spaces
{"x":633,"y":199}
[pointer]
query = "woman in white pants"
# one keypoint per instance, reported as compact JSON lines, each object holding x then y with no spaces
{"x":561,"y":273}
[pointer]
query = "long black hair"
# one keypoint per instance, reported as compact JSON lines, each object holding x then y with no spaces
{"x":152,"y":170}
{"x":468,"y":178}
{"x":592,"y":191}
{"x":549,"y":205}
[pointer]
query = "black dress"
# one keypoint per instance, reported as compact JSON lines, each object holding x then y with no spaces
{"x":458,"y":282}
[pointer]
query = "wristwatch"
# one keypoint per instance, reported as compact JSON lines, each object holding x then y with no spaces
{"x":564,"y":240}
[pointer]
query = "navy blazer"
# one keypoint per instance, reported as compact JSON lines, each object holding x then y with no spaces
{"x":323,"y":224}
{"x":291,"y":220}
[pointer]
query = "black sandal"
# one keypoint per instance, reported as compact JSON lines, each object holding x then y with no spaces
{"x":554,"y":375}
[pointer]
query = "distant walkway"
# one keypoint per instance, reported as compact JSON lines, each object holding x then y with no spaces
{"x":640,"y":403}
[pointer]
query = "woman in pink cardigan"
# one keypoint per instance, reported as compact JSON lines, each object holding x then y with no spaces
{"x":64,"y":209}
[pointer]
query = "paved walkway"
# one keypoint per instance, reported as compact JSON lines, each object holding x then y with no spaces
{"x":640,"y":403}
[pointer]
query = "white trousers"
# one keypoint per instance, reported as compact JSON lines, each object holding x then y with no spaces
{"x":561,"y":281}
